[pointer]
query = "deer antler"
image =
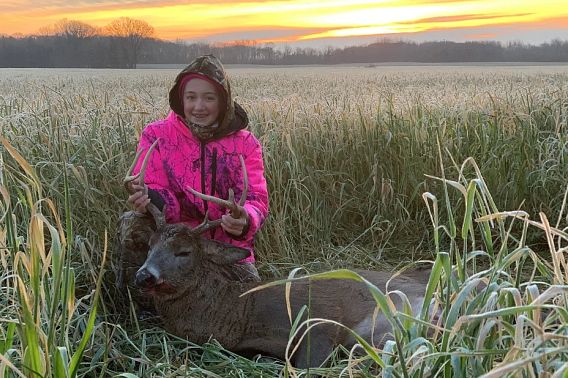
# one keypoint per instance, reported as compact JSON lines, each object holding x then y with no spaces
{"x":229,"y":203}
{"x":205,"y":225}
{"x":156,"y":213}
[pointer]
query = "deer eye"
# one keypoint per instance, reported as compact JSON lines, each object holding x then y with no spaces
{"x":182,"y":253}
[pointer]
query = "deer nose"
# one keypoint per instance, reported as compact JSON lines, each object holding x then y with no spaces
{"x":145,"y":279}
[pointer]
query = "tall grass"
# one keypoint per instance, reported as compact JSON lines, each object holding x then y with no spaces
{"x":346,"y":158}
{"x":345,"y":153}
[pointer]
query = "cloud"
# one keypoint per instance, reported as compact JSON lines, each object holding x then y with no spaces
{"x":260,"y":35}
{"x":463,"y":17}
{"x":479,"y":36}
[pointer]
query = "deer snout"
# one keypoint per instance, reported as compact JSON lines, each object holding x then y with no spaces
{"x":145,"y":279}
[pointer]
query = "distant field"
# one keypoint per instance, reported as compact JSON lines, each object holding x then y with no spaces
{"x":352,"y":129}
{"x":466,"y":85}
{"x":369,"y":167}
{"x":349,"y":128}
{"x":368,"y":65}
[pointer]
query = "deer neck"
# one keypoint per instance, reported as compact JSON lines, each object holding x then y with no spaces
{"x":208,"y":306}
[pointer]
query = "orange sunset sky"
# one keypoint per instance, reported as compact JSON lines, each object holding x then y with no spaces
{"x":307,"y":22}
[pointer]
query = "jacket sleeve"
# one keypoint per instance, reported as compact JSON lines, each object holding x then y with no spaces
{"x":256,"y":204}
{"x":156,"y":177}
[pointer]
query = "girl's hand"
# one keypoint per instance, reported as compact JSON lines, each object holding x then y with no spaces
{"x":138,"y":200}
{"x":235,"y":226}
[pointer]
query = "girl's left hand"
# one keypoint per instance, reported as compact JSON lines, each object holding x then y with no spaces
{"x":235,"y":226}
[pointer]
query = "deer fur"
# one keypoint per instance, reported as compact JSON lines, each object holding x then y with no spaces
{"x":196,"y":294}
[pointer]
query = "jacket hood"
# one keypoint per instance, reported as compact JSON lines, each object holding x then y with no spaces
{"x":232,"y":116}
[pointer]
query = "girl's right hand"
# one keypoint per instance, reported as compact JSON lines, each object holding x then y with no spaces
{"x":138,"y":200}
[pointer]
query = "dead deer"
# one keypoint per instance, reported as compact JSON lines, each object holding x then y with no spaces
{"x":191,"y":282}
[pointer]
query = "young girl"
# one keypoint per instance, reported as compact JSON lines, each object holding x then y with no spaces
{"x":199,"y":144}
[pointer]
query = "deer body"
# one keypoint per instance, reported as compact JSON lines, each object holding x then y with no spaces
{"x":197,"y":297}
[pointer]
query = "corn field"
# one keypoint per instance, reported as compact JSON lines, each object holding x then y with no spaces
{"x":464,"y":168}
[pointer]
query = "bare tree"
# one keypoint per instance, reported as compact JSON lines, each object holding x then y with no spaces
{"x":130,"y":34}
{"x":74,"y":29}
{"x":70,"y":29}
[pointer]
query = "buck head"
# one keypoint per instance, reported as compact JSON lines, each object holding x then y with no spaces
{"x":179,"y":257}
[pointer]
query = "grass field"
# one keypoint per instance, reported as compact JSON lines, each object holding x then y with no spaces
{"x":368,"y":167}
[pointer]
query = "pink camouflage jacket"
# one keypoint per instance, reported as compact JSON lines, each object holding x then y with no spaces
{"x":180,"y":160}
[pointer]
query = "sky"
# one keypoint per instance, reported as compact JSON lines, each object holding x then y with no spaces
{"x":307,"y":23}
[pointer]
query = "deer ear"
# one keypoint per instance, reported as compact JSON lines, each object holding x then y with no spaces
{"x":235,"y":254}
{"x":225,"y":254}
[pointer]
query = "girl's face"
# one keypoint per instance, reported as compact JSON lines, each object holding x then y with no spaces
{"x":201,"y":102}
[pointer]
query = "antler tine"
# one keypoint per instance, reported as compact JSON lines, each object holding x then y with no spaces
{"x":230,"y":203}
{"x":152,"y":209}
{"x":217,"y":200}
{"x":158,"y":215}
{"x":231,"y":198}
{"x":129,"y":177}
{"x":205,"y":225}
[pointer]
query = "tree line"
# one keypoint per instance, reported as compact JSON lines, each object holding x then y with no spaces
{"x":72,"y":43}
{"x":125,"y":43}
